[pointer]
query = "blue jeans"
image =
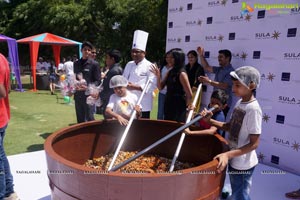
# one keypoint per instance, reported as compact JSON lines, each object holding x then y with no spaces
{"x":6,"y":178}
{"x":161,"y":104}
{"x":240,"y":181}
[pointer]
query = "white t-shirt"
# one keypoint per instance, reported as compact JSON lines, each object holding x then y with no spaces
{"x":138,"y":74}
{"x":122,"y":105}
{"x":246,"y":119}
{"x":40,"y":66}
{"x":60,"y":66}
{"x":164,"y":72}
{"x":68,"y":67}
{"x":47,"y":65}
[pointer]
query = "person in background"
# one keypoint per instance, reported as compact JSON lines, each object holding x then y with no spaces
{"x":222,"y":74}
{"x":137,"y":72}
{"x":179,"y":93}
{"x":244,"y":130}
{"x":219,"y":98}
{"x":47,"y":64}
{"x":68,"y":74}
{"x":60,"y":67}
{"x":74,"y":58}
{"x":52,"y":77}
{"x":104,"y":70}
{"x":91,"y":74}
{"x":122,"y":103}
{"x":93,"y":56}
{"x":94,"y":53}
{"x":6,"y":179}
{"x":112,"y":60}
{"x":162,"y":93}
{"x":69,"y":67}
{"x":194,"y":69}
{"x":40,"y":65}
{"x":13,"y":81}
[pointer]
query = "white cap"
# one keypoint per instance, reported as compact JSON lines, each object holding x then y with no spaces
{"x":140,"y":40}
{"x":246,"y":75}
{"x":118,"y":81}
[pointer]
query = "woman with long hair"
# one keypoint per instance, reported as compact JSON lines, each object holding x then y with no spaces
{"x":179,"y":93}
{"x":166,"y":67}
{"x":194,"y":69}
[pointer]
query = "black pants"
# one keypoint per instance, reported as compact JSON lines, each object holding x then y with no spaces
{"x":104,"y":114}
{"x":84,"y":112}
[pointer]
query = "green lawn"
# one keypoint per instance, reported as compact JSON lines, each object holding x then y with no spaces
{"x":35,"y":115}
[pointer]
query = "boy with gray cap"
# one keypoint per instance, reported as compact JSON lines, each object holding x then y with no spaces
{"x":244,"y":130}
{"x":122,"y":103}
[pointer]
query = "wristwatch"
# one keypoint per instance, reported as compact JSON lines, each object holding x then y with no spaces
{"x":209,"y":81}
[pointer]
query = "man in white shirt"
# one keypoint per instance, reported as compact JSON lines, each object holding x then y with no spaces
{"x":60,"y":66}
{"x":40,"y":65}
{"x":68,"y":66}
{"x":137,"y":72}
{"x":47,"y":64}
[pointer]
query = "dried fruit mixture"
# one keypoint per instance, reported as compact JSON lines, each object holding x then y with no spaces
{"x":147,"y":163}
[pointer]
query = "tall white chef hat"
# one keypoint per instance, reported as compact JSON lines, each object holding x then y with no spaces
{"x":140,"y":40}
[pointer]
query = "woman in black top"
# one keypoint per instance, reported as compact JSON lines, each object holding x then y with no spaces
{"x":179,"y":93}
{"x":194,"y":69}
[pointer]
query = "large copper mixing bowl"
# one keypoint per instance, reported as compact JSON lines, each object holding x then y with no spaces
{"x":68,"y":149}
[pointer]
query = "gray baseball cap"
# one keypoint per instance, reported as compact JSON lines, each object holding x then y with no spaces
{"x":246,"y":75}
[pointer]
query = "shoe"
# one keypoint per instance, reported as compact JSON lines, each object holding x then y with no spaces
{"x":293,"y":195}
{"x":12,"y":196}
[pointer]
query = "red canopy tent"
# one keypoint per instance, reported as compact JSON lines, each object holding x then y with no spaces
{"x":47,"y":39}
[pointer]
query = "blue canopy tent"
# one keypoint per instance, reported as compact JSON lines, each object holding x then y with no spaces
{"x":13,"y":58}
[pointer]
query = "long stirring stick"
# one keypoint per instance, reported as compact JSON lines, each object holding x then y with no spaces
{"x":160,"y":141}
{"x":128,"y":127}
{"x":183,"y":134}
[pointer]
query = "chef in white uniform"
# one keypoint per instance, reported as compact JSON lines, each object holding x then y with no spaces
{"x":137,"y":72}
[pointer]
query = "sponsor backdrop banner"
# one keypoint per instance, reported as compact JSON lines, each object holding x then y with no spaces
{"x":264,"y":34}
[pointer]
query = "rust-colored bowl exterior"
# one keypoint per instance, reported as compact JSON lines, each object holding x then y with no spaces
{"x":68,"y":149}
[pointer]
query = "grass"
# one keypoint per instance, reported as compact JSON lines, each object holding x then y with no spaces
{"x":36,"y":115}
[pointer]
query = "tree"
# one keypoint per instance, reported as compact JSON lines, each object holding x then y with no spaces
{"x":123,"y":17}
{"x":105,"y":23}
